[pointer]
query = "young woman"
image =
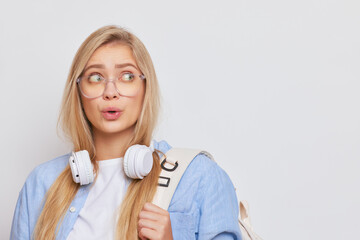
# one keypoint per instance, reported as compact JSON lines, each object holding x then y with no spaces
{"x":110,"y":103}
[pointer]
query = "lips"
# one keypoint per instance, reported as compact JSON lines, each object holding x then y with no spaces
{"x":111,"y":109}
{"x":111,"y":113}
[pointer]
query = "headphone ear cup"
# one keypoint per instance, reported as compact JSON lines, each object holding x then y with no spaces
{"x":74,"y":168}
{"x":88,"y":176}
{"x":81,"y":167}
{"x":138,"y":161}
{"x":129,"y":154}
{"x":145,"y":160}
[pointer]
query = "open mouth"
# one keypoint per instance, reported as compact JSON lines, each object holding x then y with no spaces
{"x":112,"y":115}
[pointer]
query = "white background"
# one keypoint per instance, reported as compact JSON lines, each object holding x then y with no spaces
{"x":271,"y":88}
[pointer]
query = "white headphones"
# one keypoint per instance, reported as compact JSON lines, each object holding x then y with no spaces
{"x":138,"y":162}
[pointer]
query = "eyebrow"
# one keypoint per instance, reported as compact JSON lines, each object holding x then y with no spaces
{"x":116,"y":66}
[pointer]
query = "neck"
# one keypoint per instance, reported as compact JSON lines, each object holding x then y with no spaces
{"x":111,"y":145}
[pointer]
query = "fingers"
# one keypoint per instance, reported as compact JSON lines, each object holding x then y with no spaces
{"x":154,"y":223}
{"x":153,"y":208}
{"x":145,"y":223}
{"x":154,"y":213}
{"x":153,"y":216}
{"x":149,"y":215}
{"x":146,"y":234}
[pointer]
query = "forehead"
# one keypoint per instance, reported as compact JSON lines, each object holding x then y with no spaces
{"x":111,"y":54}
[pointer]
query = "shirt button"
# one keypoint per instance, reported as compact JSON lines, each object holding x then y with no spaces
{"x":72,"y":209}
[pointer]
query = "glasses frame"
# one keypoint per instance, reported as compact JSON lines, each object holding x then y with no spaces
{"x":142,"y":77}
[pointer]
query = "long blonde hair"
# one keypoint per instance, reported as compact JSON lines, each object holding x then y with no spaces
{"x":77,"y":128}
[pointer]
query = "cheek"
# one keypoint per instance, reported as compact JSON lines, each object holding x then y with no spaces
{"x":139,"y":102}
{"x":89,"y":110}
{"x":134,"y":107}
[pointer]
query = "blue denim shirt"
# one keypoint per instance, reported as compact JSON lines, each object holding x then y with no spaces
{"x":204,"y":205}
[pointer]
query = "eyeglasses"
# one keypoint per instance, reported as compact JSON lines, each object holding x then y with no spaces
{"x":93,"y":85}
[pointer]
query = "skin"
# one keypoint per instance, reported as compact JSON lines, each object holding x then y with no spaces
{"x":154,"y":223}
{"x":110,"y":136}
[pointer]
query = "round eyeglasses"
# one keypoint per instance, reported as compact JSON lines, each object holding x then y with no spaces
{"x":93,"y":85}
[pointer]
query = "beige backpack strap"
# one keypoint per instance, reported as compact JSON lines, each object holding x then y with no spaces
{"x":244,"y":221}
{"x":244,"y":212}
{"x":173,"y":166}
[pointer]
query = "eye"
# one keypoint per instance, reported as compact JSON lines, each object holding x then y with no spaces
{"x":127,"y":77}
{"x":95,"y":78}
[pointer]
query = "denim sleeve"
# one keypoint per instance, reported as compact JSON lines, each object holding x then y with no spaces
{"x":20,"y":224}
{"x":30,"y":201}
{"x":219,"y":207}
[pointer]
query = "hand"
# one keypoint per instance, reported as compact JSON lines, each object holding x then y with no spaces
{"x":154,"y":223}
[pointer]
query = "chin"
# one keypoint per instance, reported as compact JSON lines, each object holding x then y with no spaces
{"x":115,"y":127}
{"x":112,"y":129}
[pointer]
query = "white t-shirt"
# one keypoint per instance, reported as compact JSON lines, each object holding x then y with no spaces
{"x":97,"y":218}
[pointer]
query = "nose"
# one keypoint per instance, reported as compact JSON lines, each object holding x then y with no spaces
{"x":110,"y":91}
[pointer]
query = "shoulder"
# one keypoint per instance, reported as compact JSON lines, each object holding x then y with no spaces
{"x":217,"y":203}
{"x":43,"y":175}
{"x":204,"y":202}
{"x":203,"y":165}
{"x":203,"y":177}
{"x":210,"y":176}
{"x":200,"y":163}
{"x":201,"y":169}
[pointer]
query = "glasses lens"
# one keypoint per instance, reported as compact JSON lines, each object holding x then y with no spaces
{"x":128,"y":84}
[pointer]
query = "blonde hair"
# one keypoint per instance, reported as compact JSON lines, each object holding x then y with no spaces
{"x":77,"y":128}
